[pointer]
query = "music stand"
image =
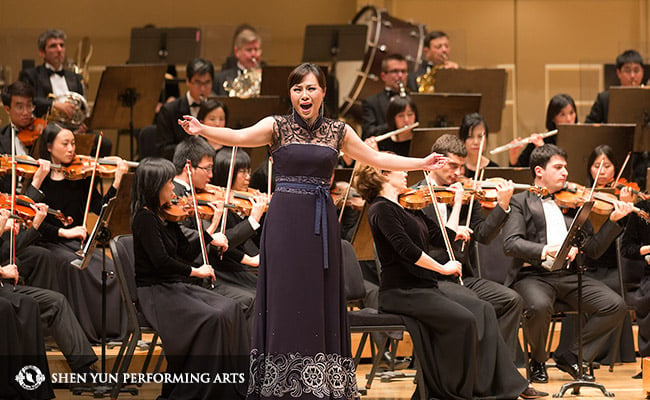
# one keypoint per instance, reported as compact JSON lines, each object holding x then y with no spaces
{"x":164,"y":45}
{"x":423,"y":139}
{"x":330,"y":44}
{"x":632,"y":105}
{"x":119,"y":222}
{"x":243,"y":113}
{"x":127,"y":98}
{"x":100,"y":234}
{"x":490,"y":83}
{"x":579,"y":140}
{"x":274,"y":83}
{"x":440,"y":110}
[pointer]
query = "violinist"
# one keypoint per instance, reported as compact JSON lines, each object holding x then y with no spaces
{"x":635,"y":245}
{"x":605,"y":267}
{"x":213,"y":113}
{"x":507,"y":304}
{"x":232,"y":278}
{"x":457,"y":342}
{"x":533,"y":234}
{"x":473,"y":130}
{"x":17,"y":99}
{"x":56,"y":315}
{"x":82,"y":288}
{"x":239,"y":281}
{"x":202,"y":331}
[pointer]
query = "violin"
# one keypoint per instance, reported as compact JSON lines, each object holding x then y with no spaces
{"x":26,"y":166}
{"x":30,"y":133}
{"x":488,"y":192}
{"x":82,"y":166}
{"x":203,"y":201}
{"x":338,"y":193}
{"x":417,"y":199}
{"x":175,"y":212}
{"x":24,"y":210}
{"x":243,"y":200}
{"x":574,"y":195}
{"x":633,"y":186}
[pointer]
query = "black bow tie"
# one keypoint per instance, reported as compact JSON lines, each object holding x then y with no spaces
{"x":59,"y":72}
{"x":195,"y":105}
{"x":390,"y":93}
{"x":548,"y":196}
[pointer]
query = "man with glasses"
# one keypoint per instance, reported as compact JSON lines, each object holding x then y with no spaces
{"x":394,"y":71}
{"x":18,"y":103}
{"x":629,"y":69}
{"x":199,"y":73}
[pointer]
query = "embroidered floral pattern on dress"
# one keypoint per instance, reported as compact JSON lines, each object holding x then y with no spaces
{"x":287,"y":130}
{"x":311,"y":180}
{"x":292,"y":375}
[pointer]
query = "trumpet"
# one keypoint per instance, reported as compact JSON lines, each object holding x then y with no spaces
{"x":524,"y":141}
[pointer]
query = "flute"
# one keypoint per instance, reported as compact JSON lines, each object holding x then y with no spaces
{"x":527,"y":140}
{"x":395,"y":132}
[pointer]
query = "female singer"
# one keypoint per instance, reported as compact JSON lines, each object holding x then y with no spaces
{"x":301,"y":321}
{"x":202,"y":331}
{"x":457,"y":341}
{"x":561,"y":110}
{"x":472,"y":130}
{"x":83,"y":289}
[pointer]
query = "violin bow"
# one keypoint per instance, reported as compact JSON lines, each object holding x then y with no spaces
{"x":12,"y":234}
{"x":231,"y":172}
{"x":199,"y":226}
{"x":593,"y":187}
{"x":347,"y":191}
{"x":620,"y":172}
{"x":476,"y":180}
{"x":450,"y":251}
{"x":92,"y":181}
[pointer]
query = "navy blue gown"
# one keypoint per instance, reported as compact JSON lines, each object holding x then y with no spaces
{"x":301,"y":341}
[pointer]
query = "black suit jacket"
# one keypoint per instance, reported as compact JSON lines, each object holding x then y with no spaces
{"x":5,"y":148}
{"x":599,"y":110}
{"x":170,"y":133}
{"x":374,"y":115}
{"x":39,"y":79}
{"x":525,"y":235}
{"x":226,"y":75}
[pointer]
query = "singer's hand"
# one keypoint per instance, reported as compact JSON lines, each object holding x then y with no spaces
{"x":191,"y":125}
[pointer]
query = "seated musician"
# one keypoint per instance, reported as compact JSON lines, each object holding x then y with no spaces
{"x":472,"y":130}
{"x":213,"y":113}
{"x":51,"y":186}
{"x":436,"y":53}
{"x":394,"y":70}
{"x":605,"y":267}
{"x":52,"y":79}
{"x":199,"y":86}
{"x":56,"y":315}
{"x":456,"y":339}
{"x":247,"y":48}
{"x":533,"y":235}
{"x":561,"y":110}
{"x":507,"y":304}
{"x":201,"y":331}
{"x":242,"y":230}
{"x":635,"y":245}
{"x":17,"y":100}
{"x":629,"y":70}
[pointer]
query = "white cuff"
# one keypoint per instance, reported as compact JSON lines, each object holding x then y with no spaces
{"x":254,"y":224}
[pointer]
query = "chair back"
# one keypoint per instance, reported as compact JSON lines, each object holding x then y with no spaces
{"x":630,"y":272}
{"x":124,"y":260}
{"x":354,"y":289}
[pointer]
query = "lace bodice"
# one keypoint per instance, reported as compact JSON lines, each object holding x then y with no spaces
{"x":293,"y":129}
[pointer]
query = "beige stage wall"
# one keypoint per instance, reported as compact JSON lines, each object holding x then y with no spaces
{"x":522,"y":35}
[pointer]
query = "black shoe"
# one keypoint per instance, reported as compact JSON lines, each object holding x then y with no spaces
{"x":571,"y":367}
{"x":638,"y":376}
{"x":532,"y":393}
{"x":537,"y":371}
{"x":390,"y":363}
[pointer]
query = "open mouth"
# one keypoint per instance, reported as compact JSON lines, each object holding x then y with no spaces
{"x":306,"y":107}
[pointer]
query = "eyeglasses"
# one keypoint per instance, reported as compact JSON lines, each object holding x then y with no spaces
{"x":632,"y":70}
{"x":24,"y":107}
{"x":206,"y":169}
{"x":245,"y":171}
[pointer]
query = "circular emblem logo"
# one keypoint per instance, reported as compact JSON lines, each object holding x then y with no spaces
{"x":30,"y":377}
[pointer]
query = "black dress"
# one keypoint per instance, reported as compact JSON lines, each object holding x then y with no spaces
{"x":456,"y":336}
{"x":82,"y":288}
{"x":201,"y":331}
{"x":301,"y":341}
